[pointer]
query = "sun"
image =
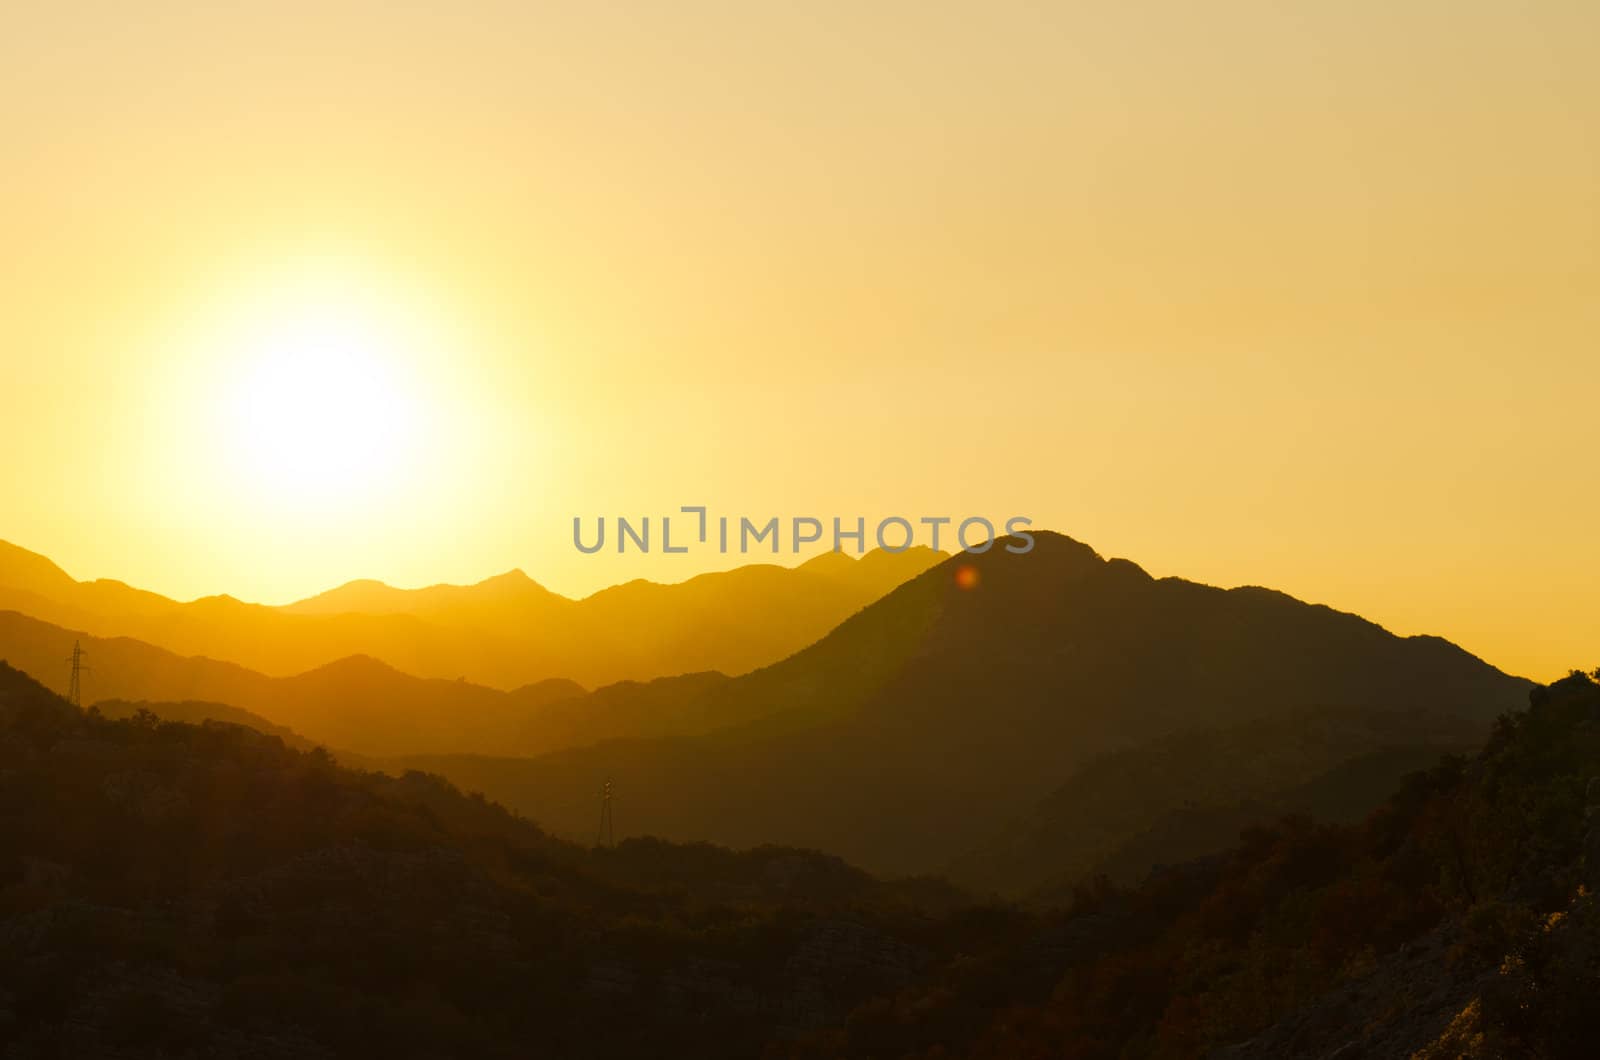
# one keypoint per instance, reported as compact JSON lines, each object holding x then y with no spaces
{"x":322,"y":406}
{"x":319,"y":409}
{"x":309,"y":413}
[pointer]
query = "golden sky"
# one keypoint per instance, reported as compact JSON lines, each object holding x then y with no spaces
{"x":1302,"y":295}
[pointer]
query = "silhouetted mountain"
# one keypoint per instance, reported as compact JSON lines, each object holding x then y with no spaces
{"x":550,"y":690}
{"x":909,"y":737}
{"x":357,"y":703}
{"x":905,"y":738}
{"x":504,"y":632}
{"x":361,"y":705}
{"x":1185,"y":795}
{"x":196,"y":712}
{"x":487,"y":606}
{"x":1459,"y":921}
{"x":31,"y":572}
{"x":181,"y":890}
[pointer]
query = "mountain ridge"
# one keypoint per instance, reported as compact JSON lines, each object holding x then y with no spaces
{"x":358,"y":703}
{"x":505,"y":631}
{"x":966,"y":705}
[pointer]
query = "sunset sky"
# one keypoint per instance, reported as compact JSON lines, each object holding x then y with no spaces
{"x":1253,"y":293}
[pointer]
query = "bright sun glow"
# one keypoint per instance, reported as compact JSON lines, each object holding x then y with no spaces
{"x":320,"y":404}
{"x":321,"y":380}
{"x":320,"y":408}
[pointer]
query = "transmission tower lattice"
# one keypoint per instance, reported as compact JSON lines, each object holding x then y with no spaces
{"x":75,"y":688}
{"x":607,"y":838}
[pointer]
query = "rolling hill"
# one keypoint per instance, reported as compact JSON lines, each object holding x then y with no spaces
{"x":356,"y":703}
{"x":170,"y":889}
{"x":361,"y":705}
{"x":505,"y":632}
{"x":906,"y":738}
{"x":1184,"y":795}
{"x":950,"y":726}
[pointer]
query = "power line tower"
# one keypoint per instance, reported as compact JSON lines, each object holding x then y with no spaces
{"x":75,"y":689}
{"x":607,"y":838}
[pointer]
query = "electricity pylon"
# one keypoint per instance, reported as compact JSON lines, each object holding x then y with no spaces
{"x":607,"y":838}
{"x":75,"y":688}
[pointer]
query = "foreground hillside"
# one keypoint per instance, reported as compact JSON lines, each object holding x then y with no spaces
{"x":1179,"y":797}
{"x":179,"y":890}
{"x":929,"y":728}
{"x":503,"y":632}
{"x":1457,"y":922}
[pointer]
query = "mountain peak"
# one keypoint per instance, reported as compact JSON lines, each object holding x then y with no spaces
{"x":828,"y":561}
{"x":515,"y":578}
{"x":22,"y":569}
{"x":1052,"y":556}
{"x":360,"y":584}
{"x":1051,"y":541}
{"x":354,"y":667}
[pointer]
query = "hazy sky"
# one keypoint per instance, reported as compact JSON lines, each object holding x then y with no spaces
{"x":1303,"y":295}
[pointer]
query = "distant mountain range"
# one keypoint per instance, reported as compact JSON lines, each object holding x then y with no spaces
{"x":908,"y":738}
{"x":357,"y":703}
{"x":173,"y":889}
{"x":361,"y":705}
{"x":1015,"y":721}
{"x":505,"y":632}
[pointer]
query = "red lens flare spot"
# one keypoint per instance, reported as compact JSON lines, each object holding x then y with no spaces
{"x":967,"y":576}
